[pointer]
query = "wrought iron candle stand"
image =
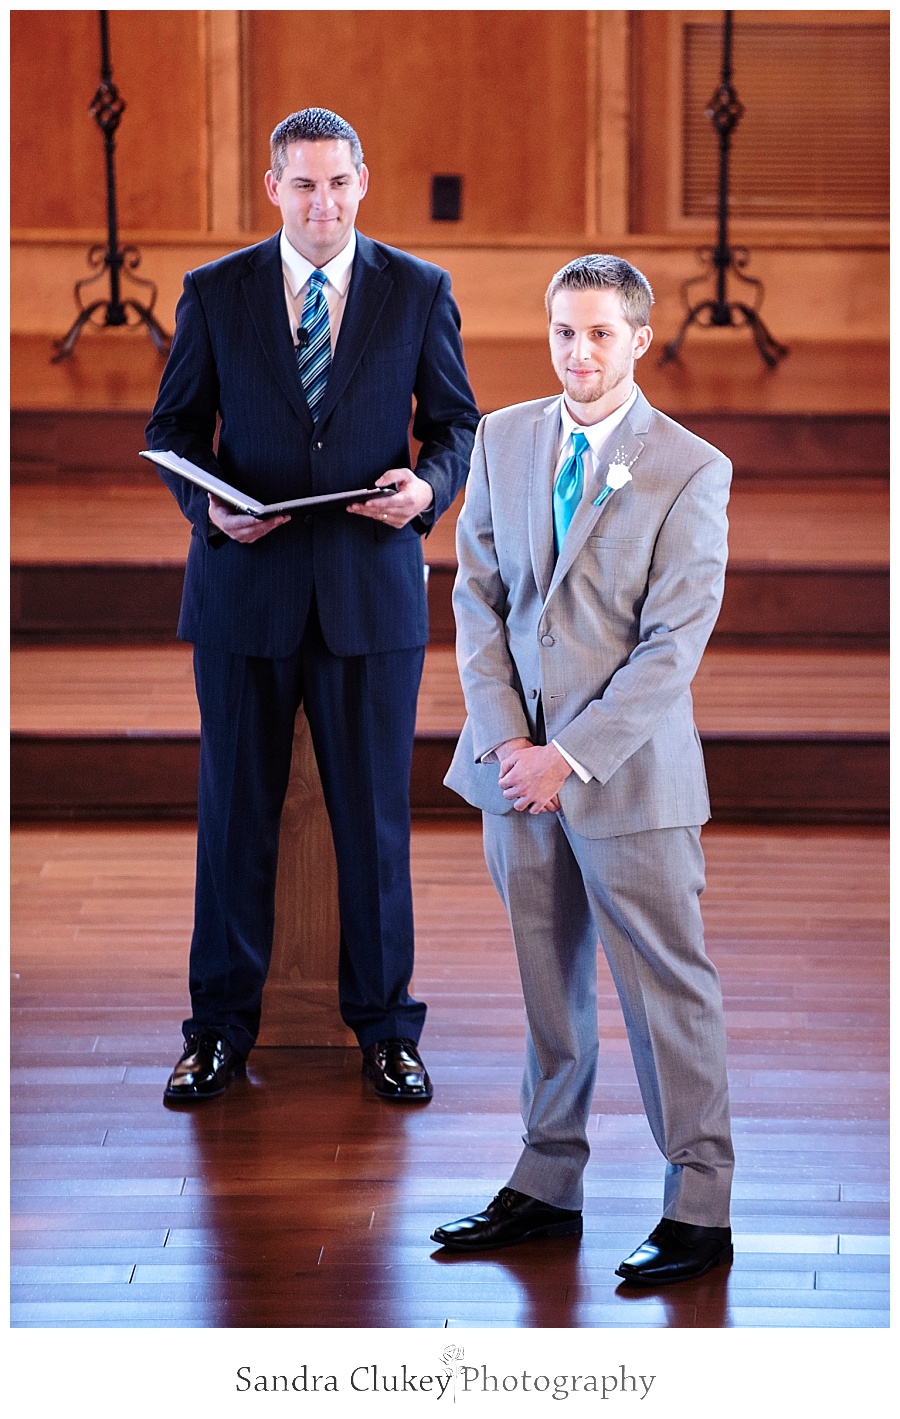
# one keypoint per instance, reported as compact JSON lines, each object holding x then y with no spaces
{"x":725,"y":111}
{"x":107,"y":108}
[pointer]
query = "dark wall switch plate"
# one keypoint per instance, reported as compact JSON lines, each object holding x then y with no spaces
{"x":446,"y":197}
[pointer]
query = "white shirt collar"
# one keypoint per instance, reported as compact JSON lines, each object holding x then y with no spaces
{"x":596,"y":434}
{"x":299,"y":270}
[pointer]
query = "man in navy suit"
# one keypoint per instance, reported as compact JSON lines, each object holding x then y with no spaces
{"x":326,"y":608}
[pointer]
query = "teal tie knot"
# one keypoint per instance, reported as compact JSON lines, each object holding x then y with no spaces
{"x":568,"y":489}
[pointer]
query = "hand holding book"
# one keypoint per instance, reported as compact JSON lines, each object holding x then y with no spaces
{"x":252,"y":507}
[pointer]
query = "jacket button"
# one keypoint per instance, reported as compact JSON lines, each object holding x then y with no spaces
{"x":307,"y":518}
{"x":319,"y":444}
{"x":547,"y":640}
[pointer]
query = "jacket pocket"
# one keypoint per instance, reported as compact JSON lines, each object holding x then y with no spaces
{"x":598,"y":540}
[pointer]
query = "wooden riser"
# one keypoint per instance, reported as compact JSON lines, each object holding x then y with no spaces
{"x":798,"y":445}
{"x":841,"y":607}
{"x":50,"y":443}
{"x":86,"y":603}
{"x":846,"y":607}
{"x":53,"y":443}
{"x":773,"y":779}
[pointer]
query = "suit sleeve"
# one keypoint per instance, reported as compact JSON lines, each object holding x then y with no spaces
{"x":446,"y":414}
{"x":684,"y":594}
{"x":184,"y":416}
{"x":490,"y":683}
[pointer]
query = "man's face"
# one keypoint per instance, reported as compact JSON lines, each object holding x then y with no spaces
{"x":318,"y":194}
{"x":593,"y":349}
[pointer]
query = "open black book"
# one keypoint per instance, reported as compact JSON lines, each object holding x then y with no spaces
{"x":243,"y":502}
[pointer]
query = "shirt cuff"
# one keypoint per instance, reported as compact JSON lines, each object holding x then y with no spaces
{"x":580,"y":770}
{"x":424,"y":521}
{"x":492,"y":756}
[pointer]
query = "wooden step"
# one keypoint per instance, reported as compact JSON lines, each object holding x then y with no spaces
{"x":103,"y":559}
{"x":788,"y":736}
{"x":823,"y":411}
{"x":64,"y":443}
{"x":813,"y":607}
{"x":765,"y":605}
{"x":720,"y":376}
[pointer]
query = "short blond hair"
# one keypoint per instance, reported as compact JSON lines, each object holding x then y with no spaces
{"x":606,"y":273}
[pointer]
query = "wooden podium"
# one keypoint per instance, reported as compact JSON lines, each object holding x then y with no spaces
{"x":300,"y":1001}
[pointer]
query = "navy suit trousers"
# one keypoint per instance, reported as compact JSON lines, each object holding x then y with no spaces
{"x":361,"y":712}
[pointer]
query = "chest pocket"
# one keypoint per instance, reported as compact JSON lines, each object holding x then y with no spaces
{"x":616,"y":542}
{"x":388,"y":354}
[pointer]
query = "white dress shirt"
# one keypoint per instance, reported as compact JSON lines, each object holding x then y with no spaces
{"x":297,"y":271}
{"x":597,"y":435}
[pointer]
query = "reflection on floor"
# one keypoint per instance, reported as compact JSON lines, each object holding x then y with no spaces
{"x":298,"y":1199}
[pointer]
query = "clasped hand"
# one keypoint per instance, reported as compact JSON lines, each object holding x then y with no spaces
{"x":531,"y":775}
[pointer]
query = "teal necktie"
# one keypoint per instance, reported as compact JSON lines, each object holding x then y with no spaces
{"x":568,"y":489}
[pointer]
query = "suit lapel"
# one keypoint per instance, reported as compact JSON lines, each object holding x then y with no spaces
{"x":370,"y":286}
{"x":544,"y":450}
{"x":627,"y":446}
{"x":263,"y":288}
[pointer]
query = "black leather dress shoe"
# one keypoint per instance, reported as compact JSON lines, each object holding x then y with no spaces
{"x":204,"y":1070}
{"x":677,"y":1251}
{"x":396,"y":1070}
{"x":512,"y":1217}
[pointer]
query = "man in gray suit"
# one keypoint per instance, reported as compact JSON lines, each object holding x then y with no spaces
{"x":592,"y":551}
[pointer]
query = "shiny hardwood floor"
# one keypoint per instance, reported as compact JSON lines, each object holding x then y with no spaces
{"x":298,"y":1199}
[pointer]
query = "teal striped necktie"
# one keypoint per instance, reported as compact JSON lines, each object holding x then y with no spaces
{"x":568,"y":489}
{"x":314,"y":357}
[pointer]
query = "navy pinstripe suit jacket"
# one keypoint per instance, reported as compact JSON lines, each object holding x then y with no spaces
{"x":233,"y":360}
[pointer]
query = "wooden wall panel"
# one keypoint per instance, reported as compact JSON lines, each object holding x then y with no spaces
{"x":813,"y":142}
{"x":798,"y":84}
{"x":564,"y":124}
{"x":811,"y":294}
{"x":498,"y":96}
{"x":650,"y":78}
{"x":57,"y":161}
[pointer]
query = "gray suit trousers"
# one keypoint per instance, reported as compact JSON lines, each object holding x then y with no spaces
{"x":640,"y":894}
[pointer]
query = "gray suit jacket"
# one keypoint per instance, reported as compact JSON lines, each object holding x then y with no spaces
{"x":597,"y":652}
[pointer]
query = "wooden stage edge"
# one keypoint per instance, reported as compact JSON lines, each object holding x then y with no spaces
{"x":717,"y":372}
{"x":792,"y":606}
{"x":815,"y":778}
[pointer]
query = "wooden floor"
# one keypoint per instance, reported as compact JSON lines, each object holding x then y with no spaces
{"x":298,"y":1199}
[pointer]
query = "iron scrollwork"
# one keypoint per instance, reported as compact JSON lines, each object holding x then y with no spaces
{"x":107,"y":107}
{"x":725,"y":112}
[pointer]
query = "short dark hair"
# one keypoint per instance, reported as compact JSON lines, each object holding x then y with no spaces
{"x":606,"y":273}
{"x":312,"y":125}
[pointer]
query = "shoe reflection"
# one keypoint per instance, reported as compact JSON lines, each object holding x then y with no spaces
{"x":534,"y":1285}
{"x":571,"y":1283}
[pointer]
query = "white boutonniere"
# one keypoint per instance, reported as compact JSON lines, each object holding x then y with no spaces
{"x":617,"y":476}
